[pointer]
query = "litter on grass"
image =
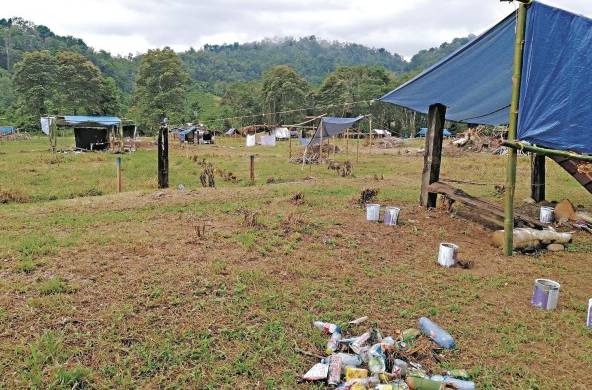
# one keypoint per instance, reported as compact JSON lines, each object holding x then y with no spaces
{"x":368,"y":360}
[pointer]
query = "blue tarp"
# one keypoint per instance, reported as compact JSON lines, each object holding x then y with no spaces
{"x":71,"y":120}
{"x":556,"y":90}
{"x":183,"y":133}
{"x":331,"y":126}
{"x":424,"y":130}
{"x":6,"y":130}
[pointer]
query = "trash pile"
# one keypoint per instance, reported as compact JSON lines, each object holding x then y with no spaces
{"x":371,"y":361}
{"x":477,"y":140}
{"x":385,"y":142}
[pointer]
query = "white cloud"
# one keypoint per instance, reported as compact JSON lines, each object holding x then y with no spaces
{"x":132,"y":26}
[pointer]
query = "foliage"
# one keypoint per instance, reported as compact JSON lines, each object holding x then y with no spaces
{"x":283,"y":89}
{"x":161,"y":87}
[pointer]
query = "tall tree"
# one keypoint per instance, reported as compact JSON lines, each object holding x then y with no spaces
{"x":161,"y":87}
{"x":244,"y":100}
{"x":82,"y":86}
{"x":35,"y":82}
{"x":283,"y":90}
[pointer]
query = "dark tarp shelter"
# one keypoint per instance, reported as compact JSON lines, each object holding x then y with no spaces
{"x":475,"y":82}
{"x":91,"y":132}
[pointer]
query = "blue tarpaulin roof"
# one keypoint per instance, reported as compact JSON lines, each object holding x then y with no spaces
{"x":475,"y":82}
{"x":331,"y":126}
{"x":101,"y":120}
{"x":6,"y":129}
{"x":424,"y":130}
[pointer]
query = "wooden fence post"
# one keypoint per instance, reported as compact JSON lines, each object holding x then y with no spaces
{"x":433,"y":154}
{"x":118,"y":165}
{"x":537,"y":177}
{"x":252,"y":168}
{"x":163,"y":157}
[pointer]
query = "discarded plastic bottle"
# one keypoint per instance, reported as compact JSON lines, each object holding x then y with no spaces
{"x":437,"y":334}
{"x":409,"y":334}
{"x":416,"y":383}
{"x":327,"y":327}
{"x":333,"y":343}
{"x":458,"y":374}
{"x":459,"y":384}
{"x":349,"y":360}
{"x":334,"y":370}
{"x":400,"y":385}
{"x":357,"y":345}
{"x":400,"y":367}
{"x":377,"y":360}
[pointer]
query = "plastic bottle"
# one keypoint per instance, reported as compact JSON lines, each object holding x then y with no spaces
{"x":437,"y":334}
{"x":377,"y":360}
{"x":400,"y":367}
{"x":458,"y":383}
{"x":458,"y":374}
{"x":357,"y":345}
{"x":327,"y":327}
{"x":333,"y":343}
{"x":334,"y":370}
{"x":417,"y":383}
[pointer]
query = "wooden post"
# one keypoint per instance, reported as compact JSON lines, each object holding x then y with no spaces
{"x":433,"y":154}
{"x":290,"y":147}
{"x":358,"y":148}
{"x":347,"y":143}
{"x":321,"y":145}
{"x":252,"y":168}
{"x":512,"y":130}
{"x":118,"y":166}
{"x":370,"y":126}
{"x":163,"y":157}
{"x":537,"y":177}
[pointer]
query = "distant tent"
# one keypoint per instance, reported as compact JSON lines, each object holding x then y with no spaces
{"x":6,"y":130}
{"x":187,"y":134}
{"x":423,"y":131}
{"x":281,"y":132}
{"x":382,"y":133}
{"x":332,"y":126}
{"x":231,"y":131}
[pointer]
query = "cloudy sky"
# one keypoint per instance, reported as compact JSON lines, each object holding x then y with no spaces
{"x":132,"y":26}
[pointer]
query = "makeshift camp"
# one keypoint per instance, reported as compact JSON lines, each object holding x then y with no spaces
{"x":231,"y":132}
{"x":6,"y":130}
{"x":187,"y":135}
{"x":328,"y":127}
{"x":381,"y":133}
{"x":531,"y":71}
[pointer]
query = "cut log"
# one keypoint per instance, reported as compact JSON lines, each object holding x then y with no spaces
{"x":488,"y":211}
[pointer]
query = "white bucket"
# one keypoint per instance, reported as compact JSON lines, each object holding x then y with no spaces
{"x":447,"y":254}
{"x":391,"y":216}
{"x":589,"y":318}
{"x":546,"y":214}
{"x":546,"y":294}
{"x":372,"y":212}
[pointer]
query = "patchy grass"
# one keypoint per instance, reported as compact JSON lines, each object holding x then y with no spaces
{"x":117,"y":291}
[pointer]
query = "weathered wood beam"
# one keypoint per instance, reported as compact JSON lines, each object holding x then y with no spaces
{"x":537,"y":177}
{"x":433,"y":154}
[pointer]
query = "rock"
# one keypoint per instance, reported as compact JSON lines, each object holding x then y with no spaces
{"x":555,"y":248}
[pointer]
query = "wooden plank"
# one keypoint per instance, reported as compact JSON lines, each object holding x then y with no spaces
{"x":433,"y":154}
{"x":481,"y":206}
{"x":537,"y":177}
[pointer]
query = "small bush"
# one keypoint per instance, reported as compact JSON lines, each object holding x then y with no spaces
{"x":7,"y":196}
{"x":54,"y":285}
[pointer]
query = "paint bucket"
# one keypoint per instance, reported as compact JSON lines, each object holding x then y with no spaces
{"x":372,"y":212}
{"x":447,"y":255}
{"x":546,"y":214}
{"x":546,"y":294}
{"x":589,"y":318}
{"x":391,"y":216}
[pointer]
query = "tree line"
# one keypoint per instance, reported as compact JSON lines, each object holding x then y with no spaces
{"x":43,"y":73}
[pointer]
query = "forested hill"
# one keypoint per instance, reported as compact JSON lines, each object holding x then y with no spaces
{"x":214,"y":66}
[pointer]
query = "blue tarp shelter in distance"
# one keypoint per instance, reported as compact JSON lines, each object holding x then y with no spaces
{"x":424,"y":130}
{"x":71,"y":120}
{"x":475,"y":82}
{"x":5,"y":130}
{"x":331,"y":126}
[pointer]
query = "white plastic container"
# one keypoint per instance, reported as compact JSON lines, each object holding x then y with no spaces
{"x":589,"y":318}
{"x":546,"y":214}
{"x":372,"y":212}
{"x":391,"y":216}
{"x":546,"y":294}
{"x":447,"y":254}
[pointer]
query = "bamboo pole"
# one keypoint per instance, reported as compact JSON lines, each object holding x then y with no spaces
{"x":546,"y":151}
{"x":512,"y":130}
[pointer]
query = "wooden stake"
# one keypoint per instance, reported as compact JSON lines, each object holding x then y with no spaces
{"x":371,"y":135}
{"x":163,"y":157}
{"x":537,"y":177}
{"x":358,"y":149}
{"x":321,"y":145}
{"x":433,"y":154}
{"x":118,"y":165}
{"x":512,"y":130}
{"x":252,"y":168}
{"x":347,"y":143}
{"x":290,"y":147}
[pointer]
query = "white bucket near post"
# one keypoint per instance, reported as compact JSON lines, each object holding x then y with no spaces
{"x":546,"y":294}
{"x":372,"y":212}
{"x":546,"y":214}
{"x":391,"y":216}
{"x":447,"y":254}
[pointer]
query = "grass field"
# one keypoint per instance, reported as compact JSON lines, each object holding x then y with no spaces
{"x":118,"y":291}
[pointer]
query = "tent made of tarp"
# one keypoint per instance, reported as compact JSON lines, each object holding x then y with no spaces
{"x":281,"y":132}
{"x":187,"y":134}
{"x":231,"y":131}
{"x":332,"y":126}
{"x":381,"y":133}
{"x":424,"y":130}
{"x":475,"y":82}
{"x":5,"y":130}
